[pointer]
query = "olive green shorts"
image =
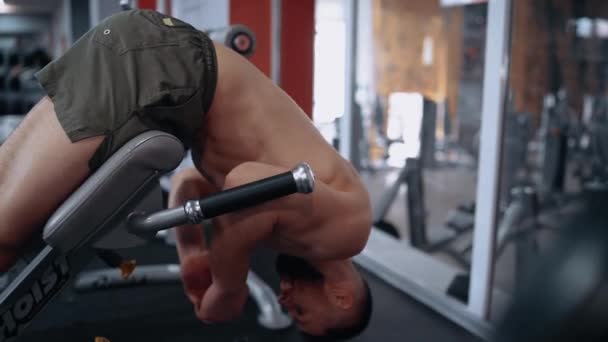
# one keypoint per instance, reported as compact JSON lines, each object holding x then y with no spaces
{"x":137,"y":70}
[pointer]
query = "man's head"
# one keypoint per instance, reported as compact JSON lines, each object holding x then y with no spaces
{"x":329,"y":299}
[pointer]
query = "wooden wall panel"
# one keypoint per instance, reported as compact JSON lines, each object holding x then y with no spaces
{"x":399,"y":31}
{"x":543,"y":33}
{"x":529,"y":58}
{"x":400,"y":28}
{"x":453,"y":19}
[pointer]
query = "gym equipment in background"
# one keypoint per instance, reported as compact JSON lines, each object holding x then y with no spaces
{"x":237,"y":37}
{"x":19,"y":89}
{"x":521,"y":206}
{"x":410,"y":176}
{"x":126,"y":5}
{"x":565,"y":295}
{"x":554,"y":145}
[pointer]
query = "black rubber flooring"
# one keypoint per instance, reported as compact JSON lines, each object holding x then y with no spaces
{"x":162,"y":313}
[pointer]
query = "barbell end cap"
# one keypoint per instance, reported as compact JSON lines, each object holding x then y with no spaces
{"x":194,"y":212}
{"x":304,"y":178}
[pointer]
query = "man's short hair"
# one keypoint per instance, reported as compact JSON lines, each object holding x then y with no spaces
{"x":352,"y":330}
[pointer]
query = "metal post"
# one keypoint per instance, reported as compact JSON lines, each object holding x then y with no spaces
{"x":348,"y":146}
{"x":161,"y":6}
{"x":415,"y":203}
{"x":496,"y":72}
{"x":94,"y":12}
{"x":276,"y":27}
{"x":67,"y":23}
{"x":126,"y":5}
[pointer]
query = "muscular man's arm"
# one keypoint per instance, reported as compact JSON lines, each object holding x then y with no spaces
{"x":235,"y":235}
{"x":328,"y":223}
{"x":344,"y":218}
{"x":215,"y":278}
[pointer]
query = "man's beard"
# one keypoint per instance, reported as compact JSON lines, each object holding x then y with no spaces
{"x":296,"y":268}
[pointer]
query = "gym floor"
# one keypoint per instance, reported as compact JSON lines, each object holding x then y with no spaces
{"x":162,"y":313}
{"x":444,"y":189}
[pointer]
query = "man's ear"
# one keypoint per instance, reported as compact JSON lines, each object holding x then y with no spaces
{"x":340,"y":295}
{"x":286,"y":284}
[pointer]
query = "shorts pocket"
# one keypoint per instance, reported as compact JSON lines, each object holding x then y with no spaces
{"x":135,"y":30}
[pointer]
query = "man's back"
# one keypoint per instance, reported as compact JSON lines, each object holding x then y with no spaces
{"x":251,"y":119}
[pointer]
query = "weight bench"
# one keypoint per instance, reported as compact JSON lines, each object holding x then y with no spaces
{"x":120,"y":206}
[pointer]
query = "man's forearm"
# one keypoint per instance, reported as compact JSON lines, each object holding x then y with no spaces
{"x":229,"y":263}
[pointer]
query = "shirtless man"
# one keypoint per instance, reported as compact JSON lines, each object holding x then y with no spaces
{"x":140,"y":70}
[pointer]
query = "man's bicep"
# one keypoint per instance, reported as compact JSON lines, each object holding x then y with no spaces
{"x":343,"y":221}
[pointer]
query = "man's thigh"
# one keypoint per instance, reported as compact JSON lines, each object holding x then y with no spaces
{"x":39,"y":168}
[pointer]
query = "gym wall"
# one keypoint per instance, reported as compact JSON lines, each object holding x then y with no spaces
{"x":297,"y":51}
{"x":535,"y":32}
{"x":401,"y":29}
